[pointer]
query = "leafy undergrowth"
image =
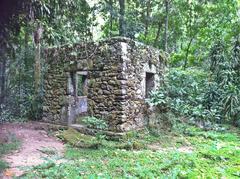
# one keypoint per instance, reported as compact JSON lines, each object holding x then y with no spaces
{"x":11,"y":143}
{"x":213,"y":155}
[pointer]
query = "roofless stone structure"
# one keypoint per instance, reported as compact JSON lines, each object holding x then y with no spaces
{"x":110,"y":80}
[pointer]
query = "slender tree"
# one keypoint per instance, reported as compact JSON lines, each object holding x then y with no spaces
{"x":122,"y":24}
{"x":166,"y":25}
{"x":2,"y":79}
{"x":147,"y":18}
{"x":111,"y":16}
{"x":156,"y":40}
{"x":37,"y":72}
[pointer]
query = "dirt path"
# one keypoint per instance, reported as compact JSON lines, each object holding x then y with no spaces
{"x":36,"y":147}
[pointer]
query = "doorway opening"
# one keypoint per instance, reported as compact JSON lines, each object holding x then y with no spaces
{"x":149,"y":84}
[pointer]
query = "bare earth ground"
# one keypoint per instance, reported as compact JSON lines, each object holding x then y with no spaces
{"x":34,"y":141}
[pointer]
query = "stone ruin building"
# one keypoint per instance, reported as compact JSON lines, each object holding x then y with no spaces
{"x":110,"y":80}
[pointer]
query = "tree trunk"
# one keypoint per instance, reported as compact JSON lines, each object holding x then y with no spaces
{"x":147,"y":18}
{"x":187,"y":52}
{"x":37,"y":66}
{"x":111,"y":16}
{"x":166,"y":25}
{"x":2,"y":80}
{"x":122,"y":18}
{"x":158,"y":33}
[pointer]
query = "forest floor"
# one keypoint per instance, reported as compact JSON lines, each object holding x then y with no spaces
{"x":185,"y":152}
{"x":34,"y":147}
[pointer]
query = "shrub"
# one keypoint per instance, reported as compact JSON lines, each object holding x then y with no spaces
{"x":96,"y":123}
{"x":212,"y":94}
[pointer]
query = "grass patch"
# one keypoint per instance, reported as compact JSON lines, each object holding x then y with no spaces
{"x":214,"y":155}
{"x":12,"y":143}
{"x":3,"y":166}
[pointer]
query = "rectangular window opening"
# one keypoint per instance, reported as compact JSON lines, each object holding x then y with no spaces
{"x":81,"y":84}
{"x":77,"y":84}
{"x":149,"y":84}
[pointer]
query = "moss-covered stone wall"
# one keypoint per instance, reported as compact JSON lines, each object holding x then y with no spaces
{"x":116,"y":71}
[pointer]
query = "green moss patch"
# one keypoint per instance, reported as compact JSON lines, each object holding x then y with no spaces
{"x":77,"y":139}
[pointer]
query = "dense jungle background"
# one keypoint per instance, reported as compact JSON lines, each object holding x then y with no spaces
{"x":196,"y":132}
{"x":201,"y":38}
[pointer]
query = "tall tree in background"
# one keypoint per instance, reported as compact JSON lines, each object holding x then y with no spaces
{"x":2,"y":78}
{"x":159,"y":24}
{"x":166,"y":25}
{"x":10,"y":11}
{"x":147,"y":18}
{"x":37,"y":67}
{"x":122,"y":24}
{"x":111,"y":16}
